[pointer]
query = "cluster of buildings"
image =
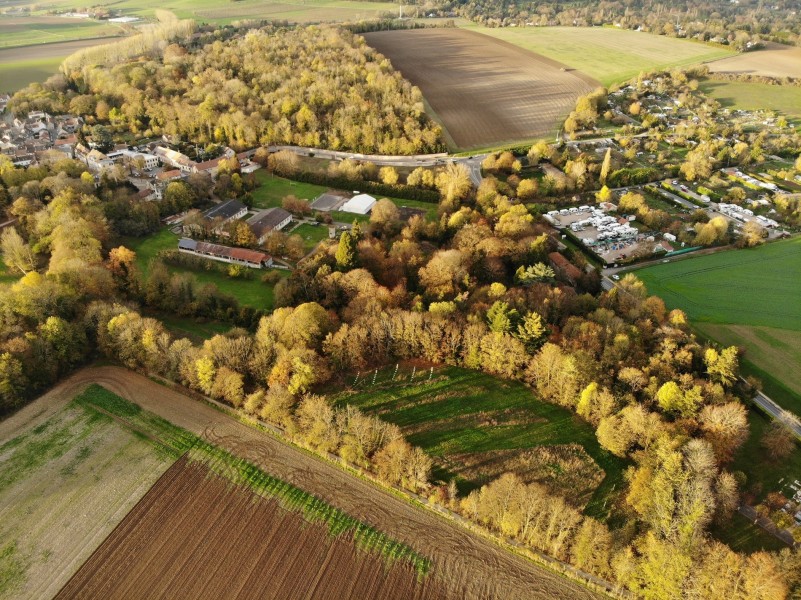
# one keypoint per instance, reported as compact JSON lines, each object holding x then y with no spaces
{"x":23,"y":140}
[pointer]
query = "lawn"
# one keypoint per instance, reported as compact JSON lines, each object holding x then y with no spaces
{"x":311,"y":234}
{"x":272,"y":190}
{"x":249,"y":292}
{"x":67,"y":477}
{"x":741,"y":535}
{"x":608,"y":54}
{"x":753,"y":96}
{"x":477,"y":427}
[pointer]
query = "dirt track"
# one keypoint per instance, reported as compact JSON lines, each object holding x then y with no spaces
{"x":485,"y":91}
{"x":466,"y":565}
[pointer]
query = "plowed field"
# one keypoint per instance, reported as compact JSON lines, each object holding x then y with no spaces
{"x":466,"y":566}
{"x":483,"y":90}
{"x":194,"y":535}
{"x":776,"y":60}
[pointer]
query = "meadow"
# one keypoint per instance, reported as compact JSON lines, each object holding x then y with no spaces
{"x":24,"y":65}
{"x":249,"y":292}
{"x":477,"y":427}
{"x":754,"y":96}
{"x":607,"y":54}
{"x":747,"y":298}
{"x":28,"y":31}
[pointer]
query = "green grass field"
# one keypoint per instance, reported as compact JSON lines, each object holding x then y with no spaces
{"x":477,"y":427}
{"x":608,"y":54}
{"x":16,"y":75}
{"x":757,"y":287}
{"x":26,"y":31}
{"x":748,"y":298}
{"x":272,"y":190}
{"x":249,"y":292}
{"x":752,"y":96}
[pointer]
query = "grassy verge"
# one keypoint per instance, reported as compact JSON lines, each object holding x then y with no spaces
{"x":311,"y":234}
{"x":176,"y":442}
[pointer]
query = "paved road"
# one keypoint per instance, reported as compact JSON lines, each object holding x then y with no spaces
{"x":777,"y":412}
{"x":473,"y":163}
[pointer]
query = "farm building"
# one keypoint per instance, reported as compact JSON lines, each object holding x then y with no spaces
{"x":227,"y":211}
{"x":236,"y":256}
{"x":264,"y":222}
{"x":359,"y":205}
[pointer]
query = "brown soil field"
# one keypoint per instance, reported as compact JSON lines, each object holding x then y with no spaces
{"x":465,"y":565}
{"x":483,"y":90}
{"x":194,"y":535}
{"x":776,"y":60}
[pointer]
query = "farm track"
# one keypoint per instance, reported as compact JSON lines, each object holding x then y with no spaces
{"x":465,"y":565}
{"x":195,"y":535}
{"x":484,"y":90}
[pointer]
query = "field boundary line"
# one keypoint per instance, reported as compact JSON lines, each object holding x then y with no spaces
{"x":541,"y":559}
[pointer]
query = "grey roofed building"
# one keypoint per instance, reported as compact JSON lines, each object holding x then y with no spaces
{"x":266,"y":221}
{"x":227,"y":211}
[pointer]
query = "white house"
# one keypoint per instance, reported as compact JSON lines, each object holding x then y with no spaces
{"x":359,"y":205}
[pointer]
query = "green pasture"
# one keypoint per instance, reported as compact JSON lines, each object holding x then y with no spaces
{"x":454,"y":413}
{"x":249,"y":292}
{"x":27,"y":31}
{"x":754,"y":96}
{"x":608,"y":54}
{"x":756,"y":286}
{"x":273,"y":189}
{"x":16,"y":75}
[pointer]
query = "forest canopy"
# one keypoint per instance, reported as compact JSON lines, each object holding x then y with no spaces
{"x":318,"y":86}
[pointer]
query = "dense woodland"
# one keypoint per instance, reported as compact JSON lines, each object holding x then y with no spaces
{"x":472,"y":289}
{"x":314,"y":86}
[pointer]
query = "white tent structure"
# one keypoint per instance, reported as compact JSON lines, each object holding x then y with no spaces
{"x":359,"y":205}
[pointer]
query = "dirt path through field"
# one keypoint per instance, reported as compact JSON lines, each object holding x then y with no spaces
{"x":468,"y":566}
